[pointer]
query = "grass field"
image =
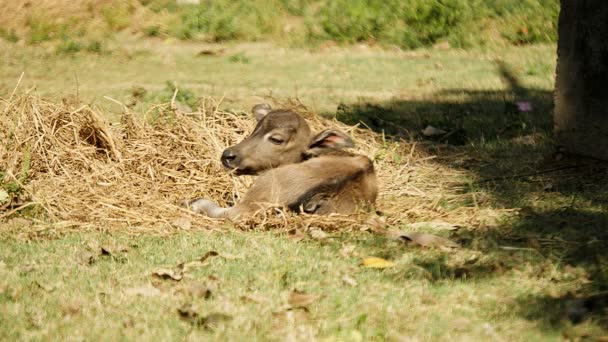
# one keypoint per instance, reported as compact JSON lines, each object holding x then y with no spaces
{"x":532,"y":265}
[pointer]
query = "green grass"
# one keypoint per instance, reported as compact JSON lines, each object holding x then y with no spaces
{"x":245,"y":73}
{"x":50,"y":292}
{"x":532,"y":240}
{"x":407,"y":24}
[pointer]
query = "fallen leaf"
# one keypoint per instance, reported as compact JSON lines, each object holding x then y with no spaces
{"x":202,"y":261}
{"x":46,"y":287}
{"x":347,"y":250}
{"x":208,"y":255}
{"x":116,"y":248}
{"x":256,"y":298}
{"x":183,"y":222}
{"x":374,"y":262}
{"x":188,"y":312}
{"x":439,"y":225}
{"x":376,"y":223}
{"x":211,"y":52}
{"x":348,"y":280}
{"x":114,"y":251}
{"x":3,"y":196}
{"x":71,"y":308}
{"x":211,"y":321}
{"x":19,"y":222}
{"x":86,"y":258}
{"x":295,"y":235}
{"x":431,"y":131}
{"x":143,"y":291}
{"x":229,"y":256}
{"x":168,"y":274}
{"x":197,"y":289}
{"x":318,"y":234}
{"x":424,"y":240}
{"x":299,"y":299}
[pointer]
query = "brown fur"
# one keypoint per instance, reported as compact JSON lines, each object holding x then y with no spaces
{"x":304,"y":173}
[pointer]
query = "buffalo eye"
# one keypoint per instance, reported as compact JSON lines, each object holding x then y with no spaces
{"x":277,"y":140}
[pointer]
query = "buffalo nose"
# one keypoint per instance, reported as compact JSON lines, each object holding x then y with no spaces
{"x":228,"y":157}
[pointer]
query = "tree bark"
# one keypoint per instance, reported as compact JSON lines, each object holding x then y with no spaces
{"x":581,"y":86}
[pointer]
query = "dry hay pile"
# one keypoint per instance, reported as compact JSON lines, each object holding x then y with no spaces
{"x":81,"y":171}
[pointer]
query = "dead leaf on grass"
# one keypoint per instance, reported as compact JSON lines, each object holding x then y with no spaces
{"x":202,"y":261}
{"x":439,"y":225}
{"x":229,"y":256}
{"x":422,"y":239}
{"x":348,"y":280}
{"x":374,"y":262}
{"x":183,"y":222}
{"x":197,"y":289}
{"x":431,"y":131}
{"x":3,"y":288}
{"x":143,"y":291}
{"x":298,"y":299}
{"x":296,"y":235}
{"x":112,"y":249}
{"x":256,"y":298}
{"x":168,"y":274}
{"x":348,"y":251}
{"x":86,"y":258}
{"x":212,"y":321}
{"x":71,"y":308}
{"x":212,"y":52}
{"x":46,"y":287}
{"x":318,"y":234}
{"x":376,"y":223}
{"x":4,"y":196}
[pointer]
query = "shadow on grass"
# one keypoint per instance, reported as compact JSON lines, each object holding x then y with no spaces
{"x":562,"y":201}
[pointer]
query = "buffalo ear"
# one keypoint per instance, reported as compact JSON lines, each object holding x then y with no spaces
{"x":332,"y":139}
{"x":260,"y":110}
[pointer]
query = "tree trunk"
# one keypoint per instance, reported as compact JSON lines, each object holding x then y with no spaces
{"x":581,"y":86}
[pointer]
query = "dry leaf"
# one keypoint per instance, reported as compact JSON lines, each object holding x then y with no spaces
{"x":114,"y":251}
{"x":208,"y":255}
{"x":144,"y":291}
{"x":422,"y":239}
{"x":86,"y":258}
{"x":376,"y":223}
{"x":374,"y":262}
{"x":3,"y":288}
{"x":46,"y":287}
{"x":197,"y":289}
{"x":256,"y":298}
{"x":318,"y":234}
{"x":168,"y":274}
{"x":202,"y":261}
{"x":211,"y":321}
{"x":211,"y":52}
{"x":439,"y":225}
{"x":347,"y":251}
{"x":431,"y":131}
{"x":299,"y":299}
{"x":295,"y":235}
{"x":229,"y":256}
{"x":3,"y":196}
{"x":183,"y":222}
{"x":348,"y":280}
